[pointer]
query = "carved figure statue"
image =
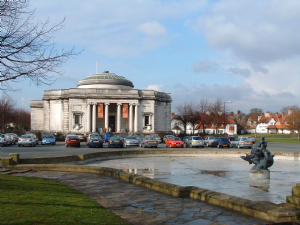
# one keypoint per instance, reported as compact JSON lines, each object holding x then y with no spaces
{"x":260,"y":156}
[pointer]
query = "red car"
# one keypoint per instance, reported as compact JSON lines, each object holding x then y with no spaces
{"x":72,"y":140}
{"x":174,"y":142}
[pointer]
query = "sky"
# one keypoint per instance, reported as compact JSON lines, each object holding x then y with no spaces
{"x":246,"y":52}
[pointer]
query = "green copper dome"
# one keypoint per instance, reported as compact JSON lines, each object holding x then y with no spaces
{"x":105,"y":79}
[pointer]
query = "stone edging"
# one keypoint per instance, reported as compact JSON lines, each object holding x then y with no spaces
{"x":264,"y":210}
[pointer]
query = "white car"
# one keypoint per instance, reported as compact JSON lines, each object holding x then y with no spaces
{"x":26,"y":139}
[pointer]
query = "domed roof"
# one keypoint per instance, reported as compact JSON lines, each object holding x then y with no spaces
{"x":105,"y":80}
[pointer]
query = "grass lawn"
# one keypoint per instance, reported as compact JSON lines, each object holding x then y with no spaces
{"x":28,"y":200}
{"x":279,"y":138}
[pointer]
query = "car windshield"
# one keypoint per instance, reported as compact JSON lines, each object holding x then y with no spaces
{"x":95,"y":137}
{"x":25,"y":136}
{"x":115,"y":139}
{"x":175,"y":139}
{"x":73,"y":137}
{"x":109,"y":134}
{"x":223,"y":139}
{"x":197,"y":138}
{"x":244,"y":139}
{"x":150,"y":138}
{"x":157,"y":137}
{"x":48,"y":136}
{"x":2,"y":135}
{"x":233,"y":138}
{"x":131,"y":137}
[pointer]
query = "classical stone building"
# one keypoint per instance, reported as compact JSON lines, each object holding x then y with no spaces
{"x":102,"y":100}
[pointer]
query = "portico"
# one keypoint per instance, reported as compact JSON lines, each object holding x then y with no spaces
{"x":104,"y":100}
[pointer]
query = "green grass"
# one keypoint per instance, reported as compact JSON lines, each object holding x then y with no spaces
{"x":28,"y":200}
{"x":278,"y":138}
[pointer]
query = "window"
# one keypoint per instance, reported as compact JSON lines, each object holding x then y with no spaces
{"x":146,"y":120}
{"x":277,"y":123}
{"x":76,"y":119}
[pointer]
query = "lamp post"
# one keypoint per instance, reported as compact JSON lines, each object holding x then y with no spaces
{"x":224,"y":115}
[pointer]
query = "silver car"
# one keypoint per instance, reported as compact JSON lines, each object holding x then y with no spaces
{"x":194,"y":141}
{"x":148,"y":141}
{"x":27,"y":139}
{"x":10,"y":139}
{"x":4,"y":140}
{"x":210,"y":141}
{"x":241,"y":142}
{"x":158,"y":139}
{"x":131,"y":141}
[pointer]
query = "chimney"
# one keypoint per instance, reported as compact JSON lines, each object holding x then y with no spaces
{"x":263,"y":114}
{"x":290,"y":111}
{"x":283,"y":113}
{"x":231,"y":113}
{"x":238,"y":112}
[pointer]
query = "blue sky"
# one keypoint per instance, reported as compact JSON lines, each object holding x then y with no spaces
{"x":247,"y":52}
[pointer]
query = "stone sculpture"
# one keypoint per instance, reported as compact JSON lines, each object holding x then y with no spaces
{"x":260,"y":156}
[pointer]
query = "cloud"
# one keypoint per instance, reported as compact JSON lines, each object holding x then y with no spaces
{"x":206,"y":66}
{"x":155,"y":87}
{"x":245,"y":72}
{"x":152,"y":28}
{"x":257,"y":32}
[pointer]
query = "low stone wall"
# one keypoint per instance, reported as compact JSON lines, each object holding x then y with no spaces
{"x":122,"y":154}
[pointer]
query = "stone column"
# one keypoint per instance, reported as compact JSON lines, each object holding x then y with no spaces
{"x":46,"y":115}
{"x":130,"y":118}
{"x":94,"y":117}
{"x":106,"y":116}
{"x":119,"y":117}
{"x":136,"y":118}
{"x":88,"y":117}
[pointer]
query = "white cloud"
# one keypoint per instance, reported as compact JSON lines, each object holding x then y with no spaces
{"x":155,"y":87}
{"x":152,"y":28}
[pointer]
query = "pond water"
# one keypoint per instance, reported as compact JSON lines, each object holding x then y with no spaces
{"x":226,"y":174}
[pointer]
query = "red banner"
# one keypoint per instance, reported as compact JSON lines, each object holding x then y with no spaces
{"x":125,"y":110}
{"x":100,"y":110}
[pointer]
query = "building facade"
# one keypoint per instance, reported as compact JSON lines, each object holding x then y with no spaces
{"x":103,"y":101}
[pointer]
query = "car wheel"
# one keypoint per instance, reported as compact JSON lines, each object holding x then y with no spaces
{"x":67,"y":146}
{"x":203,"y":146}
{"x":19,"y":145}
{"x":155,"y":146}
{"x":109,"y":146}
{"x":166,"y":146}
{"x":228,"y":146}
{"x":89,"y":146}
{"x":186,"y":145}
{"x":32,"y":144}
{"x":239,"y":146}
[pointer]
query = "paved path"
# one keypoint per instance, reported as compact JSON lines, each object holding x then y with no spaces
{"x":142,"y":206}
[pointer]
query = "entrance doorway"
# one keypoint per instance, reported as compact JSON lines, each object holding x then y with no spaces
{"x":112,"y":125}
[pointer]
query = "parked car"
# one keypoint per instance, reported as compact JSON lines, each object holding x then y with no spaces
{"x":252,"y":139}
{"x":241,"y":142}
{"x":35,"y":139}
{"x":95,"y":141}
{"x":115,"y":141}
{"x":194,"y":141}
{"x":140,"y":137}
{"x":174,"y":142}
{"x":107,"y":136}
{"x":15,"y":137}
{"x":4,"y":140}
{"x":185,"y":138}
{"x":72,"y":140}
{"x":27,"y":139}
{"x":223,"y":142}
{"x":158,"y":139}
{"x":91,"y":135}
{"x":131,"y":141}
{"x":166,"y":137}
{"x":211,"y":141}
{"x":48,"y":139}
{"x":10,"y":139}
{"x":149,"y":141}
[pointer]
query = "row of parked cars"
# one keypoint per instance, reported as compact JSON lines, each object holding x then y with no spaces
{"x":8,"y":139}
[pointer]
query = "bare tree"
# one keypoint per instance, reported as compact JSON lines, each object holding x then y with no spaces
{"x":255,"y":116}
{"x":6,"y":111}
{"x":27,"y":49}
{"x":185,"y":112}
{"x":294,"y":121}
{"x":22,"y":119}
{"x":216,"y":113}
{"x":203,"y":117}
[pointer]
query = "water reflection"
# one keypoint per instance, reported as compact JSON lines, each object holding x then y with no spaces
{"x":218,"y":173}
{"x":148,"y":172}
{"x":260,"y":184}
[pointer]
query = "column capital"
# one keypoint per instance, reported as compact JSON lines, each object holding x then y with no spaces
{"x":106,"y":103}
{"x":119,"y":103}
